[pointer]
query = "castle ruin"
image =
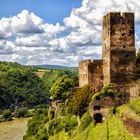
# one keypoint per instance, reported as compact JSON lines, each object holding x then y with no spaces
{"x":119,"y":53}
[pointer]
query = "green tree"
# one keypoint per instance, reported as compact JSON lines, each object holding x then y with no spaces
{"x":80,"y":100}
{"x":19,"y":86}
{"x":85,"y":121}
{"x":22,"y":112}
{"x":61,"y":87}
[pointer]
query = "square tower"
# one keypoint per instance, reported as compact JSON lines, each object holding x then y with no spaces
{"x":119,"y":54}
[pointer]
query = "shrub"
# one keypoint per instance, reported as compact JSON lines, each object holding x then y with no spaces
{"x":106,"y":90}
{"x":61,"y":87}
{"x":69,"y":122}
{"x":66,"y":123}
{"x":80,"y":100}
{"x":85,"y":121}
{"x":7,"y":114}
{"x":135,"y":105}
{"x":22,"y":112}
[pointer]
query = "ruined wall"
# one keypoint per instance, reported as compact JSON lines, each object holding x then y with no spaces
{"x":133,"y":126}
{"x":90,"y":72}
{"x":119,"y":55}
{"x":103,"y":103}
{"x":83,"y":73}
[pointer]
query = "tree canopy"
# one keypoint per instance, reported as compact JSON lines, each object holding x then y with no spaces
{"x":61,"y":87}
{"x":19,"y":86}
{"x":80,"y":100}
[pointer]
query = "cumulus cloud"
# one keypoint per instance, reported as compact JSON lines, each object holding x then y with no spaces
{"x":26,"y":23}
{"x":86,"y":21}
{"x":6,"y":47}
{"x":85,"y":38}
{"x":36,"y":42}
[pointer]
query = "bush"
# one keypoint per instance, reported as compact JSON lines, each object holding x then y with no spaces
{"x":35,"y":125}
{"x":135,"y":105}
{"x":61,"y":87}
{"x":80,"y":100}
{"x":22,"y":112}
{"x":7,"y":114}
{"x":66,"y":123}
{"x":85,"y":121}
{"x":69,"y":122}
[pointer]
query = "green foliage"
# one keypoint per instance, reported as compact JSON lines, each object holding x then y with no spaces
{"x":80,"y":100}
{"x":40,"y":127}
{"x":129,"y":110}
{"x":5,"y":96}
{"x":22,"y":112}
{"x":61,"y":87}
{"x":6,"y":114}
{"x":65,"y":127}
{"x":135,"y":105}
{"x":51,"y":75}
{"x":111,"y":129}
{"x":69,"y":122}
{"x":104,"y":91}
{"x":19,"y":86}
{"x":66,"y":123}
{"x":109,"y":90}
{"x":85,"y":121}
{"x":36,"y":129}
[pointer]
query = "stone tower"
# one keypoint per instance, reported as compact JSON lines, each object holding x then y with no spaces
{"x":118,"y":47}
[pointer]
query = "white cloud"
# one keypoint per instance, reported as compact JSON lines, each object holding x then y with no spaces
{"x":26,"y":22}
{"x":6,"y":47}
{"x":38,"y":42}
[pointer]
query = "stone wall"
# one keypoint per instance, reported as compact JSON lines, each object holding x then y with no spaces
{"x":83,"y":73}
{"x":103,"y":103}
{"x":119,"y":56}
{"x":133,"y":126}
{"x":90,"y":72}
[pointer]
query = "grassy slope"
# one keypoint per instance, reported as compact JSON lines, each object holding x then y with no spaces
{"x":111,"y":129}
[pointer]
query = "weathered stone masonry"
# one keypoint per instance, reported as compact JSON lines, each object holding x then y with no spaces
{"x":91,"y":73}
{"x":119,"y":54}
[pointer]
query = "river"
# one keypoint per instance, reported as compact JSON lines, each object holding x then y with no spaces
{"x":13,"y":130}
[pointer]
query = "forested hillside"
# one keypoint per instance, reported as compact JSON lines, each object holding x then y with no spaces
{"x":19,"y":86}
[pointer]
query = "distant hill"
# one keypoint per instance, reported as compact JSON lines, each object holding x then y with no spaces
{"x":54,"y":67}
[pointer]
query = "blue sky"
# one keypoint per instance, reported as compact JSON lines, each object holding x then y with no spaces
{"x":52,"y":11}
{"x":57,"y":32}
